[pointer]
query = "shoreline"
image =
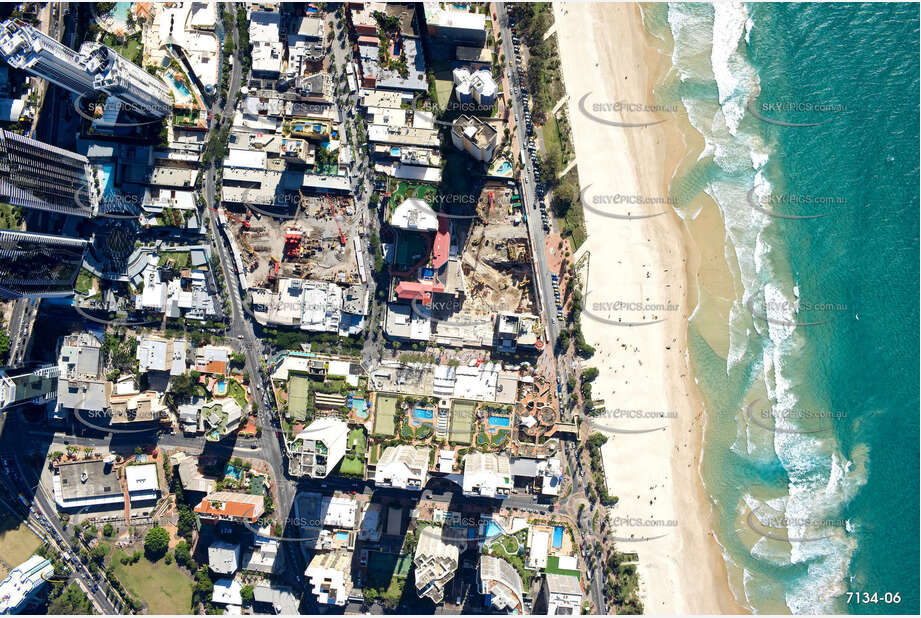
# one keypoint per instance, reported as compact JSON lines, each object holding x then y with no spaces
{"x":664,"y":513}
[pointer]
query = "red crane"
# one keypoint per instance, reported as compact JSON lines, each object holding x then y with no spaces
{"x":332,"y":209}
{"x":242,"y":222}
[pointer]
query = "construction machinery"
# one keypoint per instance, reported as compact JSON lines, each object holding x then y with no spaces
{"x":293,"y":239}
{"x":242,"y":222}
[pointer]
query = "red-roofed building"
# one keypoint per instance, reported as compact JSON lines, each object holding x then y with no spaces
{"x":230,"y":506}
{"x":368,"y":40}
{"x":416,"y":290}
{"x":442,"y":245}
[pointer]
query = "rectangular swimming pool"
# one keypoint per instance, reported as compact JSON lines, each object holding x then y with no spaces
{"x":557,"y":537}
{"x":423,"y":413}
{"x":500,"y":421}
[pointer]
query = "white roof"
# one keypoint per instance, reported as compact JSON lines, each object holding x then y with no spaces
{"x":249,"y":159}
{"x":227,"y":592}
{"x":22,"y":582}
{"x":414,"y":214}
{"x":338,"y":368}
{"x":224,"y":557}
{"x":339,"y":512}
{"x":540,"y":546}
{"x":142,"y":478}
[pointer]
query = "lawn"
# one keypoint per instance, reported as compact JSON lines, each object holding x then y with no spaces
{"x":235,"y":389}
{"x":385,"y":411}
{"x":358,"y":442}
{"x":298,"y":388}
{"x":17,"y":542}
{"x":461,"y":430}
{"x":407,"y":190}
{"x":85,"y":281}
{"x":164,"y":588}
{"x":132,"y":49}
{"x":553,"y":566}
{"x":444,"y":82}
{"x":180,"y":258}
{"x":550,"y":133}
{"x":352,"y":465}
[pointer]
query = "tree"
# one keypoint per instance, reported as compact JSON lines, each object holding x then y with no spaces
{"x":108,"y":530}
{"x":182,"y":554}
{"x":72,"y":601}
{"x":246,"y":593}
{"x":156,"y":543}
{"x":98,"y":553}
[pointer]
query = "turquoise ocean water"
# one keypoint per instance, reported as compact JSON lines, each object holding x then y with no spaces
{"x":810,"y":112}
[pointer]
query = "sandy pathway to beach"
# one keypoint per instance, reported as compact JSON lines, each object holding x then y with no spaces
{"x":662,"y":511}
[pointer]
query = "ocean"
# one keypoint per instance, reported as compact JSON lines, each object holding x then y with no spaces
{"x":809,"y":116}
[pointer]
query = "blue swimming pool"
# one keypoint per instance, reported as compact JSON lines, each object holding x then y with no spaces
{"x":395,"y":151}
{"x":233,"y":471}
{"x":500,"y":421}
{"x":342,"y":536}
{"x":505,"y":168}
{"x":423,"y":413}
{"x":557,"y":537}
{"x":360,"y":407}
{"x":492,"y":529}
{"x":180,"y":86}
{"x":221,"y":388}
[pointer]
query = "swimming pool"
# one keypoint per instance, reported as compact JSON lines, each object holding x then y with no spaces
{"x":557,"y":537}
{"x":492,"y":529}
{"x":221,"y":388}
{"x":500,"y":421}
{"x":505,"y":168}
{"x":360,"y":407}
{"x":342,"y":536}
{"x":423,"y":413}
{"x":233,"y":471}
{"x":180,"y":86}
{"x":119,"y":14}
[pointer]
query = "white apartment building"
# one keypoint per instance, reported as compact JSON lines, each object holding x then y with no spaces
{"x":403,"y":467}
{"x":501,"y":584}
{"x":319,"y":447}
{"x":436,"y":562}
{"x":330,"y":576}
{"x":487,"y":475}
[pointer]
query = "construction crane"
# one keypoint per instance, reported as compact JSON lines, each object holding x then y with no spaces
{"x":332,"y":209}
{"x":491,"y":205}
{"x":242,"y":222}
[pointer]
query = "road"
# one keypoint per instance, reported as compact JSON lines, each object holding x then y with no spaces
{"x":242,"y":334}
{"x":20,"y":328}
{"x":529,"y":196}
{"x":43,"y":503}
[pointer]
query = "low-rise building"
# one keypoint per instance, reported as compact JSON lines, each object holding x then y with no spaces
{"x":319,"y":448}
{"x":314,"y":306}
{"x":403,"y":467}
{"x":228,"y":592}
{"x":487,"y":475}
{"x":274,"y":599}
{"x":159,"y":354}
{"x":264,"y":556}
{"x":559,"y":595}
{"x":224,"y":557}
{"x":330,"y":576}
{"x":231,"y":507}
{"x":92,"y":485}
{"x":501,"y":584}
{"x":436,"y":560}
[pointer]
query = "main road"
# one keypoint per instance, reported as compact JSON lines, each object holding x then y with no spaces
{"x":241,"y":328}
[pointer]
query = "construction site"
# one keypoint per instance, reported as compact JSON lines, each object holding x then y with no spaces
{"x":496,"y":256}
{"x":317,"y":242}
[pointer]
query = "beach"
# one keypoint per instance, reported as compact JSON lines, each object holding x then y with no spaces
{"x":640,"y":292}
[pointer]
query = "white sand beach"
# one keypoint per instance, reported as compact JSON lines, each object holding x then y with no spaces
{"x":606,"y":51}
